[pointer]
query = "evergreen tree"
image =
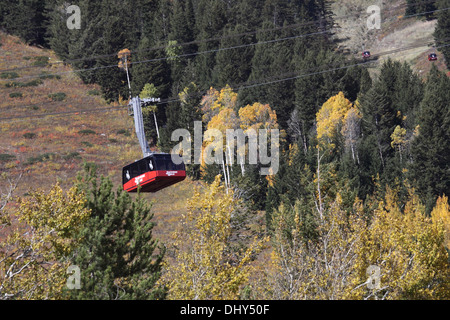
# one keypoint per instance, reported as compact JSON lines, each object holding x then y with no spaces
{"x":118,"y":256}
{"x":420,"y":7}
{"x":106,"y":27}
{"x":25,"y":18}
{"x":58,"y":36}
{"x":211,"y":19}
{"x":246,"y":13}
{"x":160,"y":26}
{"x":281,"y":95}
{"x":276,"y":11}
{"x":384,"y":108}
{"x":290,"y":183}
{"x":261,"y":68}
{"x":232,"y":65}
{"x":150,"y":68}
{"x":181,"y":31}
{"x":430,"y":148}
{"x":442,"y":31}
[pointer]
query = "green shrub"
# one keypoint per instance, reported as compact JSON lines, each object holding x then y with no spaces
{"x":59,"y":96}
{"x":16,"y":95}
{"x":4,"y":157}
{"x":9,"y":75}
{"x":72,"y":155}
{"x":29,"y":135}
{"x":124,"y":132}
{"x":87,"y":144}
{"x":94,"y":92}
{"x":32,"y":83}
{"x":45,"y":75}
{"x":86,"y":132}
{"x":40,"y":158}
{"x":40,"y":61}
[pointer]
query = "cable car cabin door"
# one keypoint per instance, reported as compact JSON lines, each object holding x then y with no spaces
{"x":152,"y":174}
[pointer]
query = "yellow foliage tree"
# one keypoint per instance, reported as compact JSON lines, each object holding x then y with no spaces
{"x":124,"y":57}
{"x":34,"y":257}
{"x":403,"y":245}
{"x":219,"y":113}
{"x":258,"y":116}
{"x":330,"y":118}
{"x":203,"y":267}
{"x":314,"y":269}
{"x":214,"y":101}
{"x":408,"y":248}
{"x":225,"y":119}
{"x":399,"y":139}
{"x":441,"y":216}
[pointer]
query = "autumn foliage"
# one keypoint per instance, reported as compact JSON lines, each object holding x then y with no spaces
{"x":204,"y":267}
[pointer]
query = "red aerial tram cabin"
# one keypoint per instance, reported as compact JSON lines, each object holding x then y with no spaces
{"x":366,"y":55}
{"x":152,"y":173}
{"x":432,"y":57}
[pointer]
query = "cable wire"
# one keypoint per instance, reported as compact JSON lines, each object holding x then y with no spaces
{"x":317,"y":21}
{"x":184,"y":55}
{"x":240,"y":87}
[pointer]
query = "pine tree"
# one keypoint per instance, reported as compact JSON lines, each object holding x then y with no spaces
{"x":181,"y":31}
{"x":247,"y":14}
{"x":25,"y":19}
{"x":291,"y":183}
{"x":118,"y":257}
{"x":420,"y":7}
{"x":430,"y":148}
{"x":380,"y":107}
{"x":211,"y":19}
{"x":261,"y":68}
{"x":232,"y":65}
{"x":154,"y":70}
{"x":281,"y":94}
{"x":442,"y":31}
{"x":276,"y":11}
{"x":59,"y":37}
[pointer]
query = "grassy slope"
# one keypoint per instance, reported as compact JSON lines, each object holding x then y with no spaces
{"x":52,"y":149}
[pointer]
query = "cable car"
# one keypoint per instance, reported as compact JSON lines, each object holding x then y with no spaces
{"x":366,"y":55}
{"x":432,"y":57}
{"x":153,"y":173}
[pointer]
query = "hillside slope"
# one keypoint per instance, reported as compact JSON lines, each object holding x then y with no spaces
{"x":51,"y":147}
{"x":44,"y":149}
{"x":397,"y":33}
